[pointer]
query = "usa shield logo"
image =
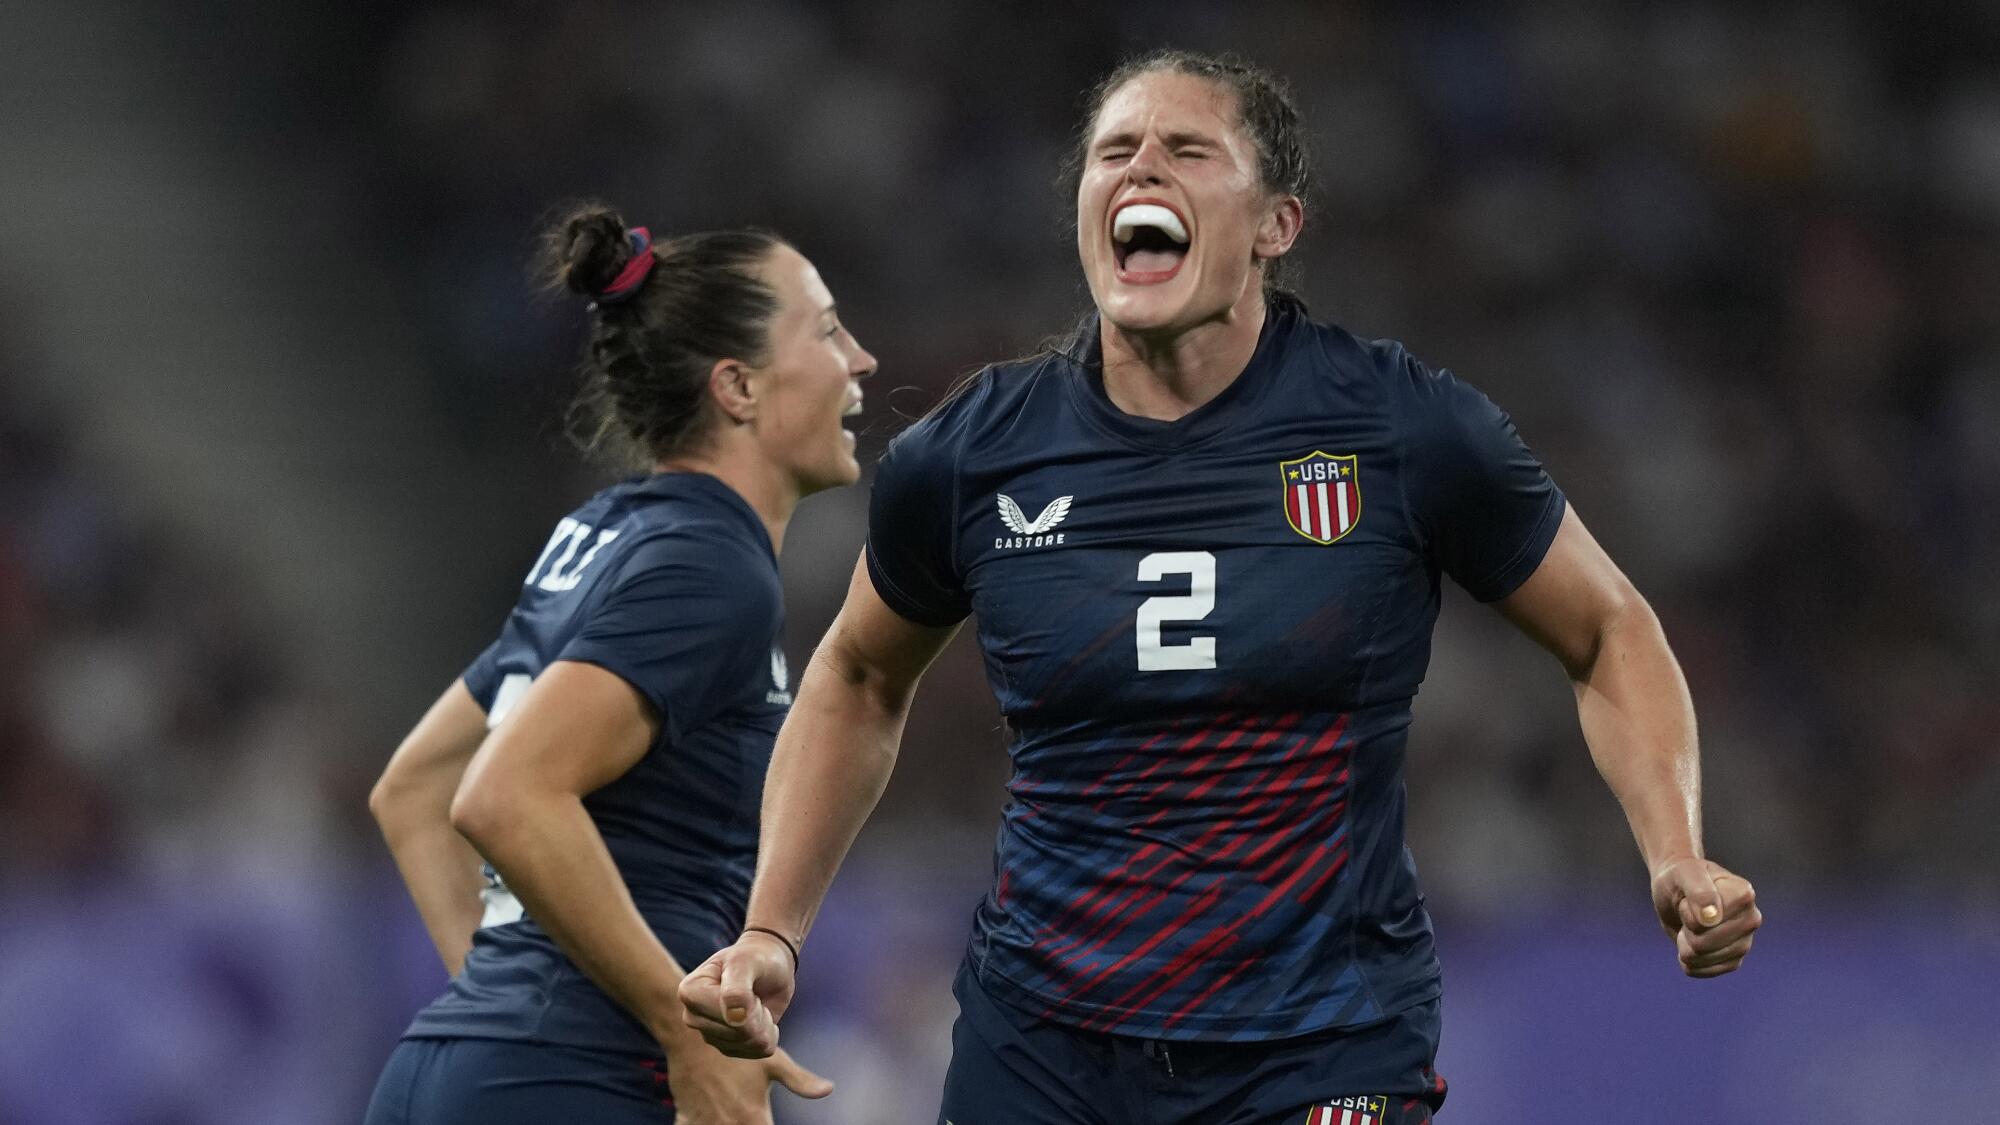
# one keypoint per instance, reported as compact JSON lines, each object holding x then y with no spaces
{"x":1365,"y":1110}
{"x":1322,"y":494}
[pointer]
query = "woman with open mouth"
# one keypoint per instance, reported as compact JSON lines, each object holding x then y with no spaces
{"x":605,"y":756}
{"x":1203,"y":544}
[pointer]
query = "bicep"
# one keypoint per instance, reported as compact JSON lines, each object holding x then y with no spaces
{"x":1573,"y":597}
{"x":437,"y":749}
{"x":872,"y":647}
{"x":577,"y":729}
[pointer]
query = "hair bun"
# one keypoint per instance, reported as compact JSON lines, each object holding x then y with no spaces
{"x":588,"y":249}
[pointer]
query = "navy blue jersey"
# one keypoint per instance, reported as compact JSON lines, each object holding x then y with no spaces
{"x":1205,"y":635}
{"x":669,"y":582}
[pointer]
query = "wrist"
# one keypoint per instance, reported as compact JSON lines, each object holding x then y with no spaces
{"x":1659,"y":862}
{"x":676,"y":1038}
{"x":776,"y":937}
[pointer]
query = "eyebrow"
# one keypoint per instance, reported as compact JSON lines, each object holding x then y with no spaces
{"x":1173,"y":140}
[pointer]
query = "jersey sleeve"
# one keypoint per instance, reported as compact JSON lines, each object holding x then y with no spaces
{"x":912,"y":513}
{"x":482,"y":676}
{"x":1481,"y":502}
{"x":688,"y":623}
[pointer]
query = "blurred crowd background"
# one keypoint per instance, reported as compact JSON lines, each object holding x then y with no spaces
{"x":279,"y":435}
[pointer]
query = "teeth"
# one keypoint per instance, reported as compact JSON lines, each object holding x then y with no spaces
{"x":1136,"y":215}
{"x":852,"y":409}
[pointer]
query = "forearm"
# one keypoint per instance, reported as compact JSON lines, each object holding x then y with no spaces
{"x":1639,"y":722}
{"x":442,"y":872}
{"x":412,"y":804}
{"x":550,"y":853}
{"x":828,"y":769}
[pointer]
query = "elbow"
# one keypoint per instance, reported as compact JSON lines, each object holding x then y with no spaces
{"x":391,"y":801}
{"x":382,"y":802}
{"x":867,"y":683}
{"x":478,"y":810}
{"x":1625,"y":626}
{"x":1630,"y":620}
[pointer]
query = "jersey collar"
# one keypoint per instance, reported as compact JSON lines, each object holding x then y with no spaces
{"x":1084,"y":350}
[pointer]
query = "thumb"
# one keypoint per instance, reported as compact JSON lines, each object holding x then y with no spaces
{"x":737,"y":993}
{"x":786,"y":1072}
{"x":1701,"y":903}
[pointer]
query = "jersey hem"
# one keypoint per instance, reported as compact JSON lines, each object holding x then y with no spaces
{"x":622,"y":1048}
{"x":1074,"y":1013}
{"x":905,"y":606}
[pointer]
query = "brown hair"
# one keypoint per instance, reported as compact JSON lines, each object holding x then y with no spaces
{"x":651,"y":346}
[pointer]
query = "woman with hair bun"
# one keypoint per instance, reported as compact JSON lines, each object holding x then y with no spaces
{"x":606,"y":755}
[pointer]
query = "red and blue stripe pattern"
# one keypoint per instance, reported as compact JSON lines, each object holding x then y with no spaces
{"x":1188,"y":891}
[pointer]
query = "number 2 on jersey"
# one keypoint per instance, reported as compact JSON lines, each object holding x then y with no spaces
{"x":1196,"y":653}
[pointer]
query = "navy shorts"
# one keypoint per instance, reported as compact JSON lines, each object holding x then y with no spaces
{"x":1009,"y":1067}
{"x":505,"y":1082}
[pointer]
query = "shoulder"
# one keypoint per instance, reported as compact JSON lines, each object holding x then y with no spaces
{"x":699,"y":550}
{"x":1428,"y":399}
{"x":985,"y":405}
{"x":1385,"y":362}
{"x":1375,"y":369}
{"x":986,"y":402}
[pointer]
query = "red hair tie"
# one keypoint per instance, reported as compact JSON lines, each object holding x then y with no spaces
{"x":635,"y":272}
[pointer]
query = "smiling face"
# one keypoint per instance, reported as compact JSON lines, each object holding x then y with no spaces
{"x":1172,"y":215}
{"x":810,"y":381}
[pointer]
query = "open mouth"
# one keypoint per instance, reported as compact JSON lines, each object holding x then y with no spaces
{"x":1149,"y":241}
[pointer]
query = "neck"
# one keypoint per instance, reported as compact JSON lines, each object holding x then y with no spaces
{"x":1167,"y":375}
{"x":769,"y":490}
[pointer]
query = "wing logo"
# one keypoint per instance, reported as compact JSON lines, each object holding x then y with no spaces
{"x":780,"y":692}
{"x":1037,"y":532}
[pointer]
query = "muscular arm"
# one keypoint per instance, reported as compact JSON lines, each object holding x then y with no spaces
{"x":577,"y":729}
{"x":1630,"y":696}
{"x":832,"y":759}
{"x":412,"y":804}
{"x":1638,"y":721}
{"x":835,"y":753}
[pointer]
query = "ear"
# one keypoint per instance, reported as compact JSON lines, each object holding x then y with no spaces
{"x":1279,"y":228}
{"x":734,"y":391}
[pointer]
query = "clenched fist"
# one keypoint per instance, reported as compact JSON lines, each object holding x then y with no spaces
{"x":1710,"y":911}
{"x":736,"y":996}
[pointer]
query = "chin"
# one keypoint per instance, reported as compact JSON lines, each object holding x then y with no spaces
{"x":1151,"y":308}
{"x":838,"y":475}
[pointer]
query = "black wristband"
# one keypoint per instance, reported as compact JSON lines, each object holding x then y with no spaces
{"x":789,"y":947}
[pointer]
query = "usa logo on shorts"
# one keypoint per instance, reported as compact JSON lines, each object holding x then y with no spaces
{"x":1322,"y":495}
{"x":1366,"y":1109}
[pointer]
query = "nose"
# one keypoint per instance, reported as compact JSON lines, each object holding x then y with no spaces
{"x":1149,"y":164}
{"x":860,"y":363}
